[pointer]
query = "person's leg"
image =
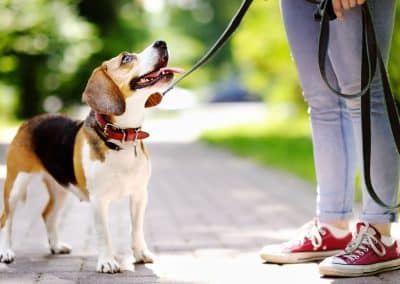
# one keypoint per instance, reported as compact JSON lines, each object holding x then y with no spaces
{"x":372,"y":250}
{"x":333,"y":148}
{"x":332,"y":132}
{"x":345,"y":55}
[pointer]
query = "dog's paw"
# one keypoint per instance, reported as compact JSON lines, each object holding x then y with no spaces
{"x":108,"y":265}
{"x":143,"y":256}
{"x":60,"y":248}
{"x":6,"y":256}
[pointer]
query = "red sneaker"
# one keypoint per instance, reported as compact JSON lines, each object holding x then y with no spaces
{"x":315,"y":242}
{"x":368,"y":253}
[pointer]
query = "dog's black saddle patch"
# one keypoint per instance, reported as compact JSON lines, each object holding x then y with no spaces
{"x":54,"y":140}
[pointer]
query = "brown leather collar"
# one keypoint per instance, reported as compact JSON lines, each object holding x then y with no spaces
{"x":110,"y":131}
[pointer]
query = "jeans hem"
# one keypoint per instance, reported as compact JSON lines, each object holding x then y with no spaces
{"x":388,"y":217}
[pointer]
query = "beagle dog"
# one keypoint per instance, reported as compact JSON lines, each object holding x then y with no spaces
{"x":100,"y":159}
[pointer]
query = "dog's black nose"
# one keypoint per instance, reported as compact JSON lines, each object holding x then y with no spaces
{"x":160,"y":44}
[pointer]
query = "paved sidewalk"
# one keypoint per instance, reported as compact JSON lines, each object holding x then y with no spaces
{"x":209,"y":213}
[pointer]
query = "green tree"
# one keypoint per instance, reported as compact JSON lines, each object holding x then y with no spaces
{"x":42,"y":44}
{"x":260,"y":47}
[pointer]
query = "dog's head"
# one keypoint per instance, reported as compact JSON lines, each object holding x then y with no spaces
{"x":142,"y":75}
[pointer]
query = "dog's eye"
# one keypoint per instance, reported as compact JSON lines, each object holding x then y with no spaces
{"x":126,"y":58}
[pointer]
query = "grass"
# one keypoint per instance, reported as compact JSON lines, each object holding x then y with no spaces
{"x":283,"y":144}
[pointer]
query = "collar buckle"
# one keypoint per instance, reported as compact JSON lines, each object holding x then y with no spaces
{"x":110,"y":131}
{"x":105,"y":128}
{"x":110,"y":125}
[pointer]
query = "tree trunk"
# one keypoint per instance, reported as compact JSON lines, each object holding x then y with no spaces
{"x":29,"y":103}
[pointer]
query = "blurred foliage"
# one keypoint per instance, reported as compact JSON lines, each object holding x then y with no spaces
{"x":42,"y":44}
{"x":394,"y":63}
{"x":48,"y":48}
{"x":261,"y":49}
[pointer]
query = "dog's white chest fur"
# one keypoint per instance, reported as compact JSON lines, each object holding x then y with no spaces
{"x":121,"y":173}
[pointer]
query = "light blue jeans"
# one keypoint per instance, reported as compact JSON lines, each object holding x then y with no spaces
{"x":336,"y":129}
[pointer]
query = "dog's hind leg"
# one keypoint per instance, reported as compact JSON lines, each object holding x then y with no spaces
{"x":6,"y":195}
{"x":14,"y":189}
{"x":138,"y":203}
{"x":50,"y":214}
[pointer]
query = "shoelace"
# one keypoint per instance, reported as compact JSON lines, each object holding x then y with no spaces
{"x":310,"y":231}
{"x":361,"y":244}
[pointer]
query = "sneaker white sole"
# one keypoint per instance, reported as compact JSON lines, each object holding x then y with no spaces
{"x":298,"y":257}
{"x":347,"y":270}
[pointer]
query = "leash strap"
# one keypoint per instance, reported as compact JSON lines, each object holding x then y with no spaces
{"x":371,"y":59}
{"x":369,"y":45}
{"x":230,"y":29}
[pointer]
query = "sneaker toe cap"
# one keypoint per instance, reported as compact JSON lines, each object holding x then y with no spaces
{"x":271,"y":249}
{"x":332,"y":260}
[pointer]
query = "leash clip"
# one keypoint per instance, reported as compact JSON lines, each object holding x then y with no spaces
{"x":137,"y":130}
{"x":123,"y":135}
{"x":324,"y":6}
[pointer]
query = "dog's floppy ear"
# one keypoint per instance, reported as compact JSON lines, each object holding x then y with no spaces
{"x":102,"y":94}
{"x":153,"y":100}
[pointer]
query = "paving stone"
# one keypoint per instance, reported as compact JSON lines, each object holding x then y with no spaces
{"x":209,"y":214}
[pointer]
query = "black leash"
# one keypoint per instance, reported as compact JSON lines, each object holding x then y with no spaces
{"x":230,"y":29}
{"x":371,"y":59}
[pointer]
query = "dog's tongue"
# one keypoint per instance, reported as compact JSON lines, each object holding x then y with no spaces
{"x":172,"y":70}
{"x":165,"y":70}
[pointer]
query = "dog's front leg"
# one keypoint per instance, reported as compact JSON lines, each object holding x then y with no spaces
{"x":106,"y":262}
{"x":138,"y":203}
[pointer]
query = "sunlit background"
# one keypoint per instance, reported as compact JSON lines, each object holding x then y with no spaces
{"x":48,"y":49}
{"x":246,"y":99}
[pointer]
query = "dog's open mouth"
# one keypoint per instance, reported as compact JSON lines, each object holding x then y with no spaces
{"x":149,"y":79}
